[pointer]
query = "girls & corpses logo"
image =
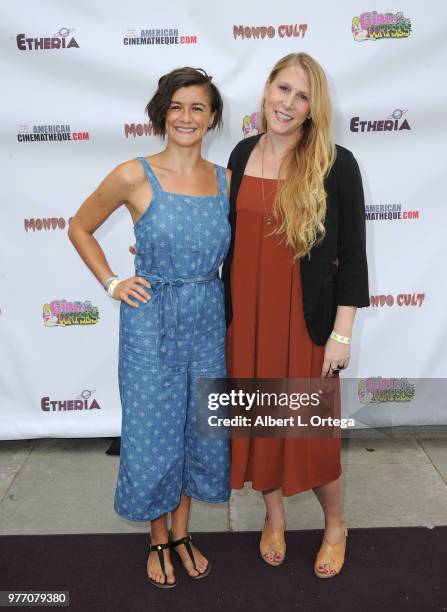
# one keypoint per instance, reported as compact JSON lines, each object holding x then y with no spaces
{"x":378,"y":390}
{"x":63,"y":313}
{"x":250,"y":125}
{"x":374,"y":26}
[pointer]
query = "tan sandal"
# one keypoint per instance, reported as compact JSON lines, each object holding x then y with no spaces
{"x":272,"y":542}
{"x":332,"y":555}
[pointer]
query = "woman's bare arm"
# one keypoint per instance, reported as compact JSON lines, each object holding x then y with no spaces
{"x":116,"y":189}
{"x":108,"y":197}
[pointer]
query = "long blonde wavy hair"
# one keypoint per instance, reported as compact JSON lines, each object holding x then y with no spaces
{"x":300,"y":202}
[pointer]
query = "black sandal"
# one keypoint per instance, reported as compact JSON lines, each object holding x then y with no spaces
{"x":159,"y":548}
{"x":186,"y":542}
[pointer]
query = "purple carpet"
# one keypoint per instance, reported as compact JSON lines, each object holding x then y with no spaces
{"x":389,"y":569}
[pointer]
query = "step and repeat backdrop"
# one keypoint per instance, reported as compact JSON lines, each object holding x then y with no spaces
{"x":76,"y":80}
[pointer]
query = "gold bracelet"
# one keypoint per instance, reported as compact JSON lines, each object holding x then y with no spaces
{"x":341,"y":339}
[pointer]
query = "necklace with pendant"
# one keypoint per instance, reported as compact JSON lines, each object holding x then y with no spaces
{"x":268,"y":217}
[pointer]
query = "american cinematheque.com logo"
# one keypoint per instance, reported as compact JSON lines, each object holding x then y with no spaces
{"x":65,"y":314}
{"x":59,"y":40}
{"x":389,"y":212}
{"x":158,"y":36}
{"x":50,"y":133}
{"x":376,"y":26}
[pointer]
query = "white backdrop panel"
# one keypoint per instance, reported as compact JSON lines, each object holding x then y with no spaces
{"x":103,"y":85}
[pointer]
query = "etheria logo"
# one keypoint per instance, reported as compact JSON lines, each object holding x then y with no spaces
{"x":393,"y":123}
{"x":65,"y":314}
{"x":60,"y":40}
{"x":376,"y":26}
{"x":84,"y":401}
{"x":378,"y":390}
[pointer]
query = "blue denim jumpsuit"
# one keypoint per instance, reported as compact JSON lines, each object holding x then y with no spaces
{"x":165,"y":346}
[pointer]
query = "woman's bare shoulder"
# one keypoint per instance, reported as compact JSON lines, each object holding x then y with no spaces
{"x":129,"y":174}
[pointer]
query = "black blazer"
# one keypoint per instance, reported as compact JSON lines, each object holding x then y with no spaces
{"x":336,"y":272}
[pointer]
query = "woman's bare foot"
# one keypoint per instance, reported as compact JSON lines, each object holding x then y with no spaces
{"x":154,"y":570}
{"x":273,"y":545}
{"x":200,"y":561}
{"x":334,"y":534}
{"x":275,"y":522}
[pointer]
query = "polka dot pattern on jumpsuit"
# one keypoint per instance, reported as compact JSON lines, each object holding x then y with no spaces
{"x":165,"y":346}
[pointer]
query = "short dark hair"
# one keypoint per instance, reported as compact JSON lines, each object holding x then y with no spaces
{"x":169,"y":84}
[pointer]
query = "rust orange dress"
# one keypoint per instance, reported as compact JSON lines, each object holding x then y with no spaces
{"x":268,"y":338}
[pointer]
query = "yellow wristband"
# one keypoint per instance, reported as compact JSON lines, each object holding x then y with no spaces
{"x":341,"y":339}
{"x":113,"y":284}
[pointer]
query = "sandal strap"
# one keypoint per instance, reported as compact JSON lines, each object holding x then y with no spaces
{"x":175,"y":543}
{"x":161,"y":558}
{"x":186,"y":542}
{"x":152,"y":547}
{"x":331,"y":554}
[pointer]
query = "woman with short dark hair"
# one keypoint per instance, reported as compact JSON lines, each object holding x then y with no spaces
{"x":172,"y":324}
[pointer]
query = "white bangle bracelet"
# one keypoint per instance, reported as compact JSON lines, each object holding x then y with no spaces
{"x":341,"y":339}
{"x":111,"y":287}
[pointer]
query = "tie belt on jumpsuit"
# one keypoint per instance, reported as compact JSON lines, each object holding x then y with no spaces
{"x":167,"y":290}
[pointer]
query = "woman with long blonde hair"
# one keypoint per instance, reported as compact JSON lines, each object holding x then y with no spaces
{"x":294,"y":276}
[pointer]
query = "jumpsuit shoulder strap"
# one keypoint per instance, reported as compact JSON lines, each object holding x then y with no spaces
{"x":153,"y":180}
{"x":222,"y":180}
